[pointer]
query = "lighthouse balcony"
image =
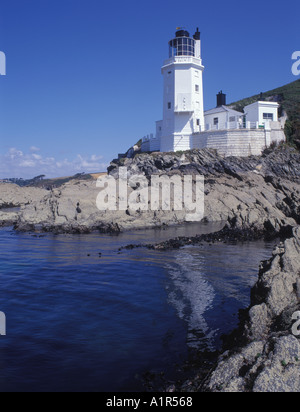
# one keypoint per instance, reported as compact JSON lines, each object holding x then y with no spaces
{"x":183,"y":60}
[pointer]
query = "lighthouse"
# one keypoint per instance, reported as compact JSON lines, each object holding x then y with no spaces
{"x":186,"y":126}
{"x":183,"y":112}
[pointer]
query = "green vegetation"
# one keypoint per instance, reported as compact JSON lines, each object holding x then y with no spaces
{"x":288,"y":97}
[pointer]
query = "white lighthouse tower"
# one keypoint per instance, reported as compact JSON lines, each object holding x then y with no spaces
{"x":183,"y":112}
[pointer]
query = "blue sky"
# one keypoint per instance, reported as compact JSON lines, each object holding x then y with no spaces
{"x":83,"y":77}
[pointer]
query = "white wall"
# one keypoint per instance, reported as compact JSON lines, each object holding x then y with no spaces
{"x":168,"y":97}
{"x":159,"y":126}
{"x":252,"y":113}
{"x":209,"y":119}
{"x":197,"y":99}
{"x":145,"y":146}
{"x":232,"y":142}
{"x":270,"y":110}
{"x":225,"y":120}
{"x":167,"y":143}
{"x":198,"y":49}
{"x":155,"y":145}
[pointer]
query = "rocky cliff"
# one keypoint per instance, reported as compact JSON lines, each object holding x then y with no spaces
{"x":260,"y":193}
{"x":264,"y":354}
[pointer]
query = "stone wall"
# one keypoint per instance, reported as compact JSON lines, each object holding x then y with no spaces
{"x":145,"y":146}
{"x":176,"y":143}
{"x":155,"y":145}
{"x":232,"y":142}
{"x":277,"y":133}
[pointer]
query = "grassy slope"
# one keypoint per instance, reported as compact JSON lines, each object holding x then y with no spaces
{"x":289,"y":98}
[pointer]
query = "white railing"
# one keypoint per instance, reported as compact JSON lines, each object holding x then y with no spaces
{"x":183,"y":59}
{"x":234,"y":126}
{"x":148,"y":138}
{"x":150,"y":143}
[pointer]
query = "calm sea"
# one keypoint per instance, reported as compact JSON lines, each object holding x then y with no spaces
{"x":81,"y":321}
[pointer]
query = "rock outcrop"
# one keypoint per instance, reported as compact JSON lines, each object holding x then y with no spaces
{"x":14,"y":197}
{"x":281,"y":163}
{"x":260,"y":193}
{"x":72,"y":209}
{"x":266,"y":356}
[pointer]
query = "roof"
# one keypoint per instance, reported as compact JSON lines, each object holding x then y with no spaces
{"x":221,"y":109}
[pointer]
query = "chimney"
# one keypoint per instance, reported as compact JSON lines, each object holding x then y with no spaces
{"x":197,"y":35}
{"x":221,"y":99}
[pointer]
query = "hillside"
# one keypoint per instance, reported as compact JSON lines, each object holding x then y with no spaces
{"x":43,"y":183}
{"x":288,"y":97}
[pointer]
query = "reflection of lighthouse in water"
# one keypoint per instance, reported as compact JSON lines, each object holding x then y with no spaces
{"x":183,"y":112}
{"x":191,"y":295}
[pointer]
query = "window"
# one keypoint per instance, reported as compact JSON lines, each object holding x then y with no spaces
{"x":216,"y":121}
{"x":198,"y":122}
{"x":197,"y":88}
{"x":268,"y":116}
{"x":182,"y":46}
{"x":169,"y":105}
{"x":232,"y":119}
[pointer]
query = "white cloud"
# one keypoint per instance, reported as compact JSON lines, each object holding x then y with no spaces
{"x":34,"y":149}
{"x":14,"y":154}
{"x":36,"y":157}
{"x":16,"y":163}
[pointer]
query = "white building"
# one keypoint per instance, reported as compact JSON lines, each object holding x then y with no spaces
{"x":234,"y":133}
{"x":263,"y":112}
{"x":186,"y":126}
{"x":222,"y":117}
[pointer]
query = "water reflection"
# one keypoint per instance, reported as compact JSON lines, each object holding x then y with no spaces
{"x":192,"y":295}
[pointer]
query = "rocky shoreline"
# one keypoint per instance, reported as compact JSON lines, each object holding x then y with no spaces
{"x":262,"y":354}
{"x":226,"y":235}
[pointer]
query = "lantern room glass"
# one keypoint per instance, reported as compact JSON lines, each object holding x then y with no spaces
{"x":182,"y":46}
